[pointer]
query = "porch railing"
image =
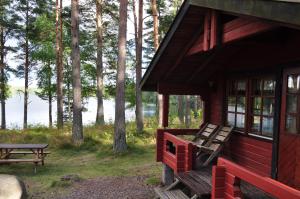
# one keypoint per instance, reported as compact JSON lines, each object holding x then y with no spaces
{"x":226,"y":179}
{"x":174,"y":151}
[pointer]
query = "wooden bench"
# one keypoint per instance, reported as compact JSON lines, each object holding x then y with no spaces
{"x":27,"y":152}
{"x":37,"y":150}
{"x":7,"y":161}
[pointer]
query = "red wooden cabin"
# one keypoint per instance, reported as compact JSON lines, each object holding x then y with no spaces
{"x":242,"y":57}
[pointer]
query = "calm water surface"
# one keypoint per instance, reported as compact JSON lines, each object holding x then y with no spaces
{"x":38,"y":111}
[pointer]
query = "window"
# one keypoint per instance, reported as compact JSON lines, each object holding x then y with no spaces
{"x":292,"y":104}
{"x":257,"y":95}
{"x":262,"y":110}
{"x":237,"y":104}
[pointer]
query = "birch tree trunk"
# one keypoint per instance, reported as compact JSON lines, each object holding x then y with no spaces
{"x":59,"y":64}
{"x":100,"y":108}
{"x":120,"y":131}
{"x":2,"y":78}
{"x":138,"y":27}
{"x":77,"y":130}
{"x":156,"y":45}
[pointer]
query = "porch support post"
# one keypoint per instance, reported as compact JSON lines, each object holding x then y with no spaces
{"x":167,"y":172}
{"x":165,"y":110}
{"x":276,"y":133}
{"x":167,"y":175}
{"x":206,"y":109}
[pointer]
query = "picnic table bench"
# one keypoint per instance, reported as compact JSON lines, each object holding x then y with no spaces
{"x":8,"y":150}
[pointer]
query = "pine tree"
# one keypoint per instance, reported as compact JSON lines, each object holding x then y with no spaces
{"x":120,"y":128}
{"x":8,"y":26}
{"x":59,"y":63}
{"x":77,"y":130}
{"x":138,"y":27}
{"x":27,"y":13}
{"x":100,"y":87}
{"x":44,"y":54}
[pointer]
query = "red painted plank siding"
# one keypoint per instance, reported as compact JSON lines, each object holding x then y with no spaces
{"x":216,"y":102}
{"x":251,"y":153}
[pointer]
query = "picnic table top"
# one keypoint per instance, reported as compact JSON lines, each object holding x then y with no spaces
{"x":23,"y":146}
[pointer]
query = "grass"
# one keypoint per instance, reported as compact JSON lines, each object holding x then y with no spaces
{"x":92,"y":159}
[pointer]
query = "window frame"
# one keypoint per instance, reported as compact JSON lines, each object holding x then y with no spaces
{"x":262,"y":96}
{"x":236,"y":96}
{"x":296,"y":114}
{"x":249,"y":100}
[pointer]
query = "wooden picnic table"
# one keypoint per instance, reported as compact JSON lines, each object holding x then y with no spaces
{"x":38,"y":150}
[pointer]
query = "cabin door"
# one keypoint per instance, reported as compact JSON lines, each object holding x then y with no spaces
{"x":289,"y":136}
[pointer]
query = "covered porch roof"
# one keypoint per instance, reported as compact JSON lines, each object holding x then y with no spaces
{"x":214,"y":36}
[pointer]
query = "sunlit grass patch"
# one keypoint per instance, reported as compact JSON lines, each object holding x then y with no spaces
{"x":94,"y":158}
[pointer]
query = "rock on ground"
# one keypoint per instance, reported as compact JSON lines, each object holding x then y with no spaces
{"x":11,"y":187}
{"x":111,"y":188}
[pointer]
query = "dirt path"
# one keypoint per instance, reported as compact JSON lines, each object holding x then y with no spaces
{"x":111,"y":188}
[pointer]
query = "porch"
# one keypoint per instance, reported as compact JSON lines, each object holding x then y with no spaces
{"x":222,"y":179}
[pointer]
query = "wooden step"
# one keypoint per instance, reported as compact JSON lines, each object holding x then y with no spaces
{"x":170,"y":194}
{"x":196,"y":182}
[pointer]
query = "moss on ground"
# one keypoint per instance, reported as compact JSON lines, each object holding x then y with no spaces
{"x":92,"y":159}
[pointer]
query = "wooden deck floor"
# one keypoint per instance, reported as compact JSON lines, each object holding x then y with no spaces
{"x":198,"y":180}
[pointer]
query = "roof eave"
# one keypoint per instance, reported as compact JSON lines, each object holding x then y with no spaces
{"x":178,"y":19}
{"x":284,"y":11}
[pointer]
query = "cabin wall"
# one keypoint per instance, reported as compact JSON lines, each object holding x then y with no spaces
{"x":215,"y":100}
{"x":252,"y":153}
{"x":256,"y":155}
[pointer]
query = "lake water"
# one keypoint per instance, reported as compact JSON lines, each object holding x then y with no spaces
{"x":38,"y":111}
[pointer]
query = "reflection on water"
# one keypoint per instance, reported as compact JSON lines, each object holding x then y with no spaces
{"x":38,"y":111}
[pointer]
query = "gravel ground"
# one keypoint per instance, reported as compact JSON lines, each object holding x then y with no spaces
{"x":110,"y":188}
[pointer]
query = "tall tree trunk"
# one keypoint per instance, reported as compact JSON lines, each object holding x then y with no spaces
{"x":26,"y":68}
{"x":156,"y":45}
{"x":50,"y":96}
{"x":180,"y":109}
{"x":3,"y":82}
{"x":195,"y":107}
{"x":3,"y":107}
{"x":138,"y":27}
{"x":59,"y":64}
{"x":188,"y":112}
{"x":120,"y":128}
{"x":100,"y":108}
{"x":50,"y":109}
{"x":77,"y":130}
{"x":69,"y":102}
